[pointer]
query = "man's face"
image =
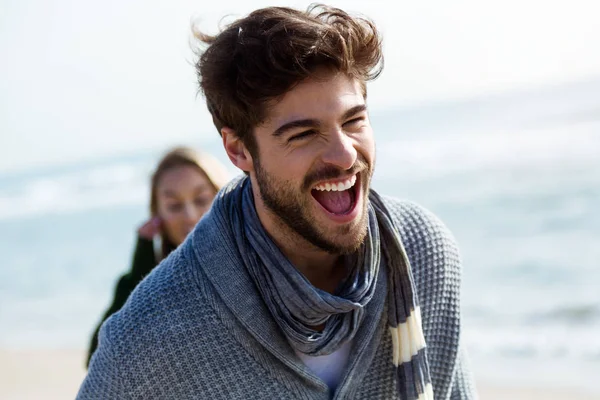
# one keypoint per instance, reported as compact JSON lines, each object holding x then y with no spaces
{"x":315,"y":161}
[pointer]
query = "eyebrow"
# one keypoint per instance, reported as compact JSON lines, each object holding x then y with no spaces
{"x":354,"y":110}
{"x":300,"y":123}
{"x":307,"y":123}
{"x":197,"y":190}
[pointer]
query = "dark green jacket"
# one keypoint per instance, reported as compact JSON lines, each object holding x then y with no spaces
{"x":143,"y":262}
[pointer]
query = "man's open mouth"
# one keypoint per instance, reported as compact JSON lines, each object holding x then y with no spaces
{"x":337,"y":196}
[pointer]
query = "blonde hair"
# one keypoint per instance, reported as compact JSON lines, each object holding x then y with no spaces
{"x":214,"y":171}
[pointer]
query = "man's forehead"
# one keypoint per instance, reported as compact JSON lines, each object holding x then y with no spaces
{"x":319,"y":101}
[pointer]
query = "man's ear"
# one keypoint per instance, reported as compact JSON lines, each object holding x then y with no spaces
{"x":236,"y":150}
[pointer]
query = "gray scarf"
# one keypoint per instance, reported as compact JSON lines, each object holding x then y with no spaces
{"x":297,"y":305}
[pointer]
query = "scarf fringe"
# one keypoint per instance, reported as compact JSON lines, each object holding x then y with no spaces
{"x":409,"y":354}
{"x":407,"y":338}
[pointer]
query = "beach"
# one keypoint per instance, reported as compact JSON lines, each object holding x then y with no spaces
{"x":40,"y":374}
{"x":57,"y":374}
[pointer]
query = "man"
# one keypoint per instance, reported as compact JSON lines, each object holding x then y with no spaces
{"x":300,"y":282}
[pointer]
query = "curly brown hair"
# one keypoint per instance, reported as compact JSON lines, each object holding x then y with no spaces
{"x":259,"y":58}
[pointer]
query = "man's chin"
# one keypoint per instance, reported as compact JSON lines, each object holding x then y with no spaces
{"x":347,"y":238}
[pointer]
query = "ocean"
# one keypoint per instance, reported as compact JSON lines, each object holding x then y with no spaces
{"x":516,"y":177}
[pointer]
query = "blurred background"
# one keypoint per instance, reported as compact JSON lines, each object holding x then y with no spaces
{"x":487,"y":113}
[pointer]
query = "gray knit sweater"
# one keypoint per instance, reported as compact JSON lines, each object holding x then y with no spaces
{"x":197,"y":328}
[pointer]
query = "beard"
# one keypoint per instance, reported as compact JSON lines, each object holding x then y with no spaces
{"x":294,"y":209}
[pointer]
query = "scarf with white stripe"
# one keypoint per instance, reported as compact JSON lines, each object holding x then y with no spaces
{"x":297,"y":305}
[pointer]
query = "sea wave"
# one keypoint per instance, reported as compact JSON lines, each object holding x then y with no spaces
{"x":491,"y":165}
{"x":548,"y":341}
{"x":575,"y":314}
{"x":576,"y":145}
{"x":75,"y":191}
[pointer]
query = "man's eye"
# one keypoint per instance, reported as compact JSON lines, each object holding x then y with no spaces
{"x":303,"y":135}
{"x":354,"y":121}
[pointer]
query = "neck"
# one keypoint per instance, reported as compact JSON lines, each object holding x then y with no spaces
{"x":322,"y":269}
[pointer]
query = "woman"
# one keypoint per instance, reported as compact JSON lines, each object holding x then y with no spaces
{"x":182,"y":189}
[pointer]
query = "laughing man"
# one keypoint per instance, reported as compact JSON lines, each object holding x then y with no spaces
{"x":302,"y":282}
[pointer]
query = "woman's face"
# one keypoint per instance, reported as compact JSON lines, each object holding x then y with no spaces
{"x":183,"y":195}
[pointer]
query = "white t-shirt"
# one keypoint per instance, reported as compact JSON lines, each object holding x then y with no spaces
{"x":329,"y":368}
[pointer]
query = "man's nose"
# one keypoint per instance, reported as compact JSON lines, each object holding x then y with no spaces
{"x":340,"y":150}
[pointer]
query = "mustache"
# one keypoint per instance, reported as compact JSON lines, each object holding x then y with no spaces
{"x":331,"y":172}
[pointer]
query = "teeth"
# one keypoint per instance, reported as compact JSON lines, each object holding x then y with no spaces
{"x":337,"y":187}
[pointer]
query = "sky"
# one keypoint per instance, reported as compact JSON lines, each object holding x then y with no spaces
{"x":87,"y":79}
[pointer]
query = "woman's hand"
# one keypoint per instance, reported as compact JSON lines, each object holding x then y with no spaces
{"x":150,"y":228}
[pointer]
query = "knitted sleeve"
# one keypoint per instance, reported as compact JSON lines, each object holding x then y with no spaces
{"x":463,"y":384}
{"x":143,"y":263}
{"x":437,"y":267}
{"x":124,"y":287}
{"x":103,"y":380}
